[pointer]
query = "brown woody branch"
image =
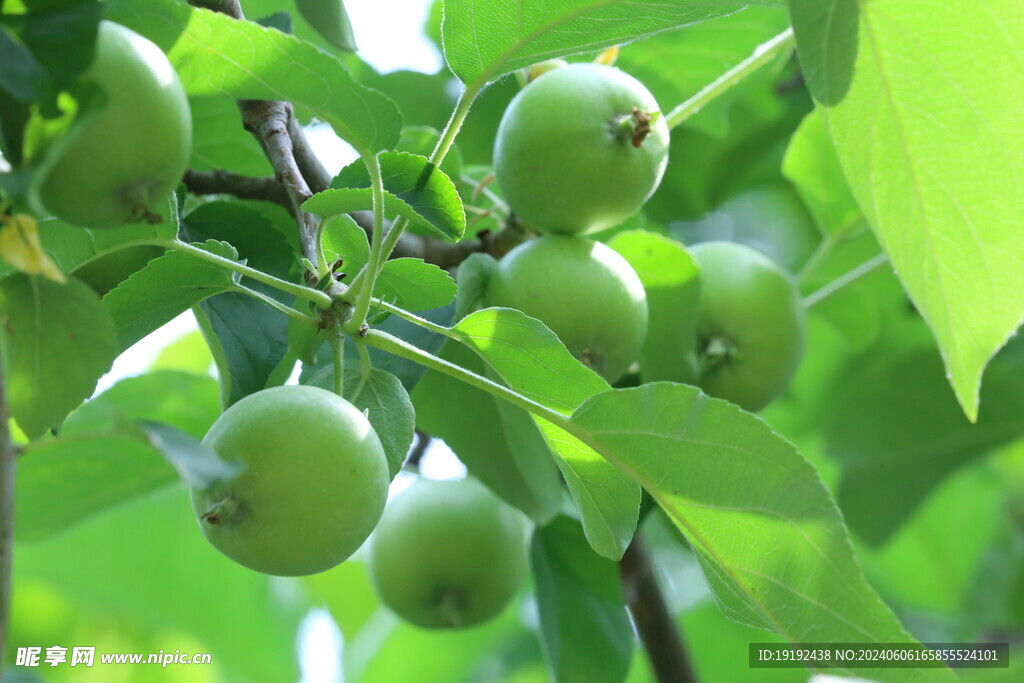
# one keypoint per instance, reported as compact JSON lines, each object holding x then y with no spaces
{"x":659,"y":633}
{"x":241,"y":186}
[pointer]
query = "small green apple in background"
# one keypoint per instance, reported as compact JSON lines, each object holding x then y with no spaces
{"x":771,"y":218}
{"x":751,"y":327}
{"x":314,"y":487}
{"x":124,"y":159}
{"x":585,"y":292}
{"x":448,"y":554}
{"x":580,"y":149}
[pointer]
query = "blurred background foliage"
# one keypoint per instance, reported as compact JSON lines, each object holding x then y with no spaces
{"x":935,"y":504}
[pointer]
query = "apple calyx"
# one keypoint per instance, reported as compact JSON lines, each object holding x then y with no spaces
{"x":635,"y":126}
{"x":221,"y":512}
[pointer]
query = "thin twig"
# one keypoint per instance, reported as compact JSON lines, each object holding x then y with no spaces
{"x":658,"y":631}
{"x":763,"y":53}
{"x":7,"y":457}
{"x":843,"y":280}
{"x":242,"y":186}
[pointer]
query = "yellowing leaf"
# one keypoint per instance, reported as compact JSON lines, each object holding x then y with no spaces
{"x":20,"y":247}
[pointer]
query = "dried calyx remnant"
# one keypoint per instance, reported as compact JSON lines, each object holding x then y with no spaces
{"x":635,"y":126}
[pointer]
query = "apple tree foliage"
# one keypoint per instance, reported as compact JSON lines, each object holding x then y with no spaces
{"x":872,"y":150}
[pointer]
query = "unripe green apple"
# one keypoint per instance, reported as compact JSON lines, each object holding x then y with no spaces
{"x":314,"y":485}
{"x":121,"y":163}
{"x":580,"y":149}
{"x":448,"y":554}
{"x":585,"y":292}
{"x":751,"y":329}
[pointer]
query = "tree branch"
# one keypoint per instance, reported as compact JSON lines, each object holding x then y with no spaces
{"x":316,"y":175}
{"x":659,"y":633}
{"x":7,"y":457}
{"x":269,"y":123}
{"x":241,"y":186}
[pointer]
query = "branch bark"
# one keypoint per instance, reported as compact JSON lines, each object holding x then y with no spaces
{"x":7,"y":457}
{"x":241,"y":186}
{"x":269,"y":122}
{"x":659,"y":633}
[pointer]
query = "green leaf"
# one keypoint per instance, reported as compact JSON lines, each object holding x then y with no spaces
{"x":59,"y":339}
{"x":931,"y":142}
{"x":483,"y":41}
{"x":131,"y":571}
{"x":708,"y":50}
{"x":767,"y":532}
{"x":217,"y":55}
{"x":414,"y":188}
{"x":166,"y":288}
{"x":812,"y":166}
{"x":113,"y":449}
{"x":585,"y":631}
{"x":386,"y":404}
{"x":252,"y":338}
{"x":251,"y":341}
{"x":72,"y":247}
{"x":499,"y":444}
{"x":474,"y":273}
{"x":330,"y":20}
{"x":536,"y":364}
{"x":671,"y":280}
{"x":22,"y":77}
{"x":896,"y":441}
{"x":219,"y":141}
{"x":408,"y":283}
{"x":414,"y":285}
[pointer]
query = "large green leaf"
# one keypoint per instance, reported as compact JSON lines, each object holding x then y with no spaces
{"x":166,"y":288}
{"x":527,"y":355}
{"x":484,"y":40}
{"x":59,"y":339}
{"x":72,"y":247}
{"x":220,"y":142}
{"x":500,"y":446}
{"x":147,"y":568}
{"x":812,"y":166}
{"x":921,"y":101}
{"x":137,"y":436}
{"x":896,"y":441}
{"x":671,"y":280}
{"x":765,"y":528}
{"x":251,"y":338}
{"x":584,"y":628}
{"x":217,"y":55}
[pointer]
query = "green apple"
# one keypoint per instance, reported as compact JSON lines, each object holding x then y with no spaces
{"x":122,"y":160}
{"x":314,"y":485}
{"x":448,"y":554}
{"x":751,"y":327}
{"x":580,"y":149}
{"x":585,"y":292}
